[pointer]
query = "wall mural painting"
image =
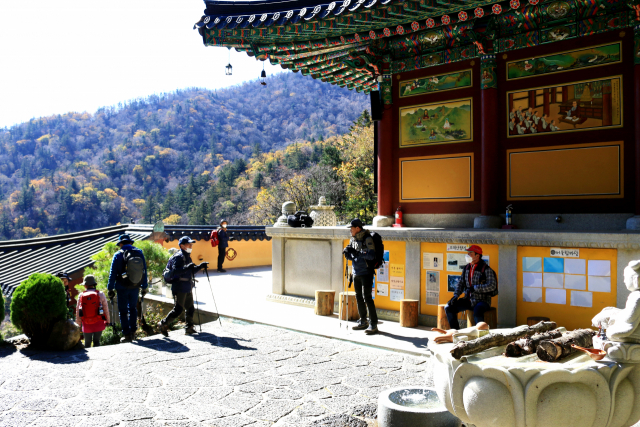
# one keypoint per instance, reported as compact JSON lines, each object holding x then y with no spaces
{"x":437,"y":123}
{"x":565,"y":61}
{"x":585,"y":105}
{"x":430,"y":84}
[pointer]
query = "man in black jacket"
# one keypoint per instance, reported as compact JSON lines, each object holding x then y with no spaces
{"x":223,"y":244}
{"x":180,"y":273}
{"x":361,"y":251}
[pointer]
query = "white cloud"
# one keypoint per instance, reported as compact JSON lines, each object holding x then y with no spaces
{"x":79,"y":55}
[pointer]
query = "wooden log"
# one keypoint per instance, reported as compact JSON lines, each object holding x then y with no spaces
{"x":409,"y":313}
{"x":353,"y":306}
{"x":559,"y":348}
{"x":324,"y":303}
{"x":443,"y":322}
{"x":490,"y":318}
{"x":496,"y":339}
{"x":529,"y":345}
{"x":536,"y":319}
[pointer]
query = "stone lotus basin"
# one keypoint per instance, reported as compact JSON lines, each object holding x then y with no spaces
{"x":490,"y":390}
{"x":413,"y":407}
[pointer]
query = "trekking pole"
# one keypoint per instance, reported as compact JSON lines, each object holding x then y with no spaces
{"x":197,"y":302}
{"x":350,"y":280}
{"x":346,"y":269}
{"x":206,"y":270}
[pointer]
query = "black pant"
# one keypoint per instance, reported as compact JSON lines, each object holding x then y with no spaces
{"x":182,"y":301}
{"x":464,"y":304}
{"x":92,"y":336}
{"x":222,"y":252}
{"x":364,"y":285}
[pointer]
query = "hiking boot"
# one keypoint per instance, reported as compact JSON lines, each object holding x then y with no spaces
{"x":371,"y":330}
{"x":164,"y":328}
{"x":190,"y":330}
{"x":360,"y":326}
{"x":222,"y":270}
{"x":126,"y":338}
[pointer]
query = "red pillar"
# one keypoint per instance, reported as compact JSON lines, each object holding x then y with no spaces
{"x":545,"y":97}
{"x":489,"y":142}
{"x":532,"y":99}
{"x":565,"y":94}
{"x":385,"y":164}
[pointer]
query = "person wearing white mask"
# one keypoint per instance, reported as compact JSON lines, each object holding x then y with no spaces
{"x":223,"y":244}
{"x":479,"y":283}
{"x":180,"y":271}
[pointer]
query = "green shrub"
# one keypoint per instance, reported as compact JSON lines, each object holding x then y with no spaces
{"x":37,"y":304}
{"x":111,"y":335}
{"x":1,"y":307}
{"x":154,"y":254}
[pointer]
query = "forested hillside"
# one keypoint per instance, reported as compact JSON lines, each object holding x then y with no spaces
{"x":190,"y":156}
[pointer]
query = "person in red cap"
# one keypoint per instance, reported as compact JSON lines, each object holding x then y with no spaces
{"x":479,"y":283}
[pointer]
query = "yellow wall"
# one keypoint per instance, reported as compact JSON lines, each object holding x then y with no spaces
{"x":250,"y":253}
{"x":397,"y":260}
{"x":572,"y":171}
{"x":437,"y":178}
{"x":444,"y":295}
{"x":566,"y":315}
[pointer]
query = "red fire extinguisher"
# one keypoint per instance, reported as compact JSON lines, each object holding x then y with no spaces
{"x":399,"y":217}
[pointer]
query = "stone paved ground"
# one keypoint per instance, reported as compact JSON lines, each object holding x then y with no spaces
{"x":240,"y":375}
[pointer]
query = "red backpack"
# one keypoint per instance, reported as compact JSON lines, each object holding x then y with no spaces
{"x":89,"y":306}
{"x":214,"y":238}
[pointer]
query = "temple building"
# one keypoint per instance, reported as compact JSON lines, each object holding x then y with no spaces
{"x":479,"y":105}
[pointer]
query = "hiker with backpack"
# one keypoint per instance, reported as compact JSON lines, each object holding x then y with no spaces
{"x":223,"y":244}
{"x":361,"y":251}
{"x":92,"y":312}
{"x":479,"y":283}
{"x":127,"y":276}
{"x":180,"y":271}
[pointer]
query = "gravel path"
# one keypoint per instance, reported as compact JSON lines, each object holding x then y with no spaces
{"x":235,"y":376}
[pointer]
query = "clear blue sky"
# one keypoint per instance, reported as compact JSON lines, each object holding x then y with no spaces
{"x":79,"y":55}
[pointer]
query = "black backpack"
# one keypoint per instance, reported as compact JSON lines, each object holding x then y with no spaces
{"x":133,"y":268}
{"x":379,"y":247}
{"x":300,"y":219}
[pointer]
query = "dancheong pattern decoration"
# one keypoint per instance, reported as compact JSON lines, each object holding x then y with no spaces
{"x":359,"y":44}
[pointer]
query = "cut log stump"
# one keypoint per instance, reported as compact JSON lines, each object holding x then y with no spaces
{"x":353,"y":306}
{"x":324,"y":303}
{"x":409,"y":313}
{"x":490,"y":318}
{"x":536,"y":319}
{"x":443,"y":323}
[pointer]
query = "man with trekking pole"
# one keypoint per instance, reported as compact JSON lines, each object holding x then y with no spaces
{"x":180,"y":273}
{"x":128,"y":274}
{"x":361,"y":252}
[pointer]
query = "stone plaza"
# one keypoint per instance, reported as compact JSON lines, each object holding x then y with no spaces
{"x":234,"y":375}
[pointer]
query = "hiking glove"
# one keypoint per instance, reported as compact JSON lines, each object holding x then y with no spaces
{"x":452,"y":300}
{"x":112,"y":294}
{"x":190,"y":266}
{"x":203,"y":265}
{"x":143,"y":292}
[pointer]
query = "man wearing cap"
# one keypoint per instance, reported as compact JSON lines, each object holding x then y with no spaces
{"x":223,"y":239}
{"x":360,"y":250}
{"x":123,"y":286}
{"x":179,"y":272}
{"x":479,"y":284}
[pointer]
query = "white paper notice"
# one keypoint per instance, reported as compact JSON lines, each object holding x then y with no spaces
{"x":578,"y":283}
{"x":599,"y":284}
{"x":532,"y":294}
{"x":397,"y":282}
{"x":581,"y":299}
{"x":456,"y":262}
{"x":432,"y":298}
{"x":532,"y":280}
{"x":433,"y":281}
{"x":556,"y":296}
{"x":599,"y":268}
{"x":397,"y":294}
{"x":382,"y":289}
{"x":457,"y":248}
{"x":575,"y":266}
{"x":553,"y":280}
{"x":383,"y":272}
{"x":432,"y":261}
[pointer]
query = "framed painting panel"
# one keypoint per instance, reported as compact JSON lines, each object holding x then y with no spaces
{"x":587,"y":57}
{"x":442,"y":82}
{"x":443,"y":122}
{"x":572,"y":107}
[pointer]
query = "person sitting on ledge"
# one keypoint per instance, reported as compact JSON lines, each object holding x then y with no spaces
{"x":479,"y":283}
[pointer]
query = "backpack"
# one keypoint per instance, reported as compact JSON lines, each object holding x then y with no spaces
{"x":379,"y":248}
{"x":89,"y":307}
{"x":214,"y":238}
{"x":133,"y":267}
{"x":168,"y":270}
{"x":300,"y":219}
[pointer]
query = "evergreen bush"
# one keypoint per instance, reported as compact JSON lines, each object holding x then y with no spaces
{"x":37,"y":304}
